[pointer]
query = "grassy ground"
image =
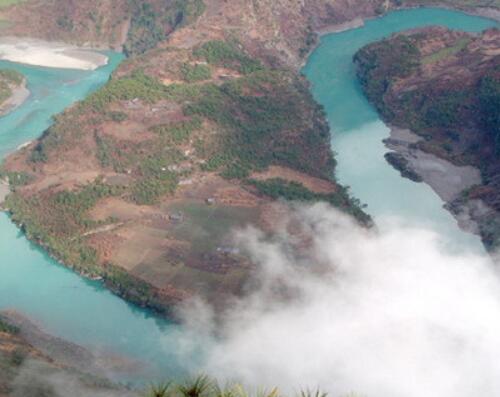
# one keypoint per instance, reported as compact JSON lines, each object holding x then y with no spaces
{"x":6,"y":3}
{"x":446,"y":52}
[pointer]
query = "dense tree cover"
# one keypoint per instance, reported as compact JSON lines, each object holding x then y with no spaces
{"x":457,"y":115}
{"x":259,"y":112}
{"x":278,"y":188}
{"x":156,"y":180}
{"x":137,"y":85}
{"x":381,"y":63}
{"x":152,"y":21}
{"x":489,"y":101}
{"x":178,"y":132}
{"x":228,"y":54}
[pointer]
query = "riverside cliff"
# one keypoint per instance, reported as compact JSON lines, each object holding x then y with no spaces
{"x":34,"y":364}
{"x":444,"y":86}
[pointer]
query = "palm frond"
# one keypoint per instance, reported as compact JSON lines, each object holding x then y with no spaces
{"x":159,"y":390}
{"x":199,"y":387}
{"x":310,"y":393}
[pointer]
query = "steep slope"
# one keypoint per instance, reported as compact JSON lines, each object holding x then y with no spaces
{"x":445,"y":86}
{"x":199,"y":132}
{"x":30,"y":371}
{"x":13,"y":90}
{"x":100,"y":23}
{"x":142,"y":183}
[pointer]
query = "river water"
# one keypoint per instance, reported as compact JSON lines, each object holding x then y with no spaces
{"x":84,"y":312}
{"x":358,"y":131}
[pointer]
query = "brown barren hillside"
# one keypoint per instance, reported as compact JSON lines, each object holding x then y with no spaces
{"x":99,"y":23}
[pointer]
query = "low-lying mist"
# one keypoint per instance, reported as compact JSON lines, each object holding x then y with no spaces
{"x":347,"y":309}
{"x":338,"y":307}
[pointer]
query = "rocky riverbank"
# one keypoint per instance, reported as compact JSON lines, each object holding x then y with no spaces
{"x":445,"y":86}
{"x":445,"y":178}
{"x":19,"y":95}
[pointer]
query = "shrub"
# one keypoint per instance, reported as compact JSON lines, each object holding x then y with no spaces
{"x":489,"y":101}
{"x":8,"y":328}
{"x":194,"y":73}
{"x":227,"y":54}
{"x":278,"y":188}
{"x":118,"y":117}
{"x":150,"y":25}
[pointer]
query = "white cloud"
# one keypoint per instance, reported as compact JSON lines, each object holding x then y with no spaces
{"x":384,"y":314}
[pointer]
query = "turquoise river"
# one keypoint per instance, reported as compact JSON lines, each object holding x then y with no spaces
{"x":82,"y":311}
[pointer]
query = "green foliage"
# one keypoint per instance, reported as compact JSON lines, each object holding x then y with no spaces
{"x":51,"y":138}
{"x":199,"y":387}
{"x":186,"y":92}
{"x":227,"y":54}
{"x":138,"y":85}
{"x":65,"y":23}
{"x":489,"y":102}
{"x":310,"y":393}
{"x":7,"y":3}
{"x":16,"y":178}
{"x":203,"y":386}
{"x":8,"y":328}
{"x":447,"y":51}
{"x":310,"y":40}
{"x":424,"y":109}
{"x":380,"y":63}
{"x":150,"y":24}
{"x":178,"y":132}
{"x":104,"y":150}
{"x":58,"y":220}
{"x":156,"y":181}
{"x":257,"y":112}
{"x":118,"y":117}
{"x":278,"y":188}
{"x":159,"y":390}
{"x":79,"y":202}
{"x":194,"y":73}
{"x":17,"y":357}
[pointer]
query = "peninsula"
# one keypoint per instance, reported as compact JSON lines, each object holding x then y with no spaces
{"x":440,"y":89}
